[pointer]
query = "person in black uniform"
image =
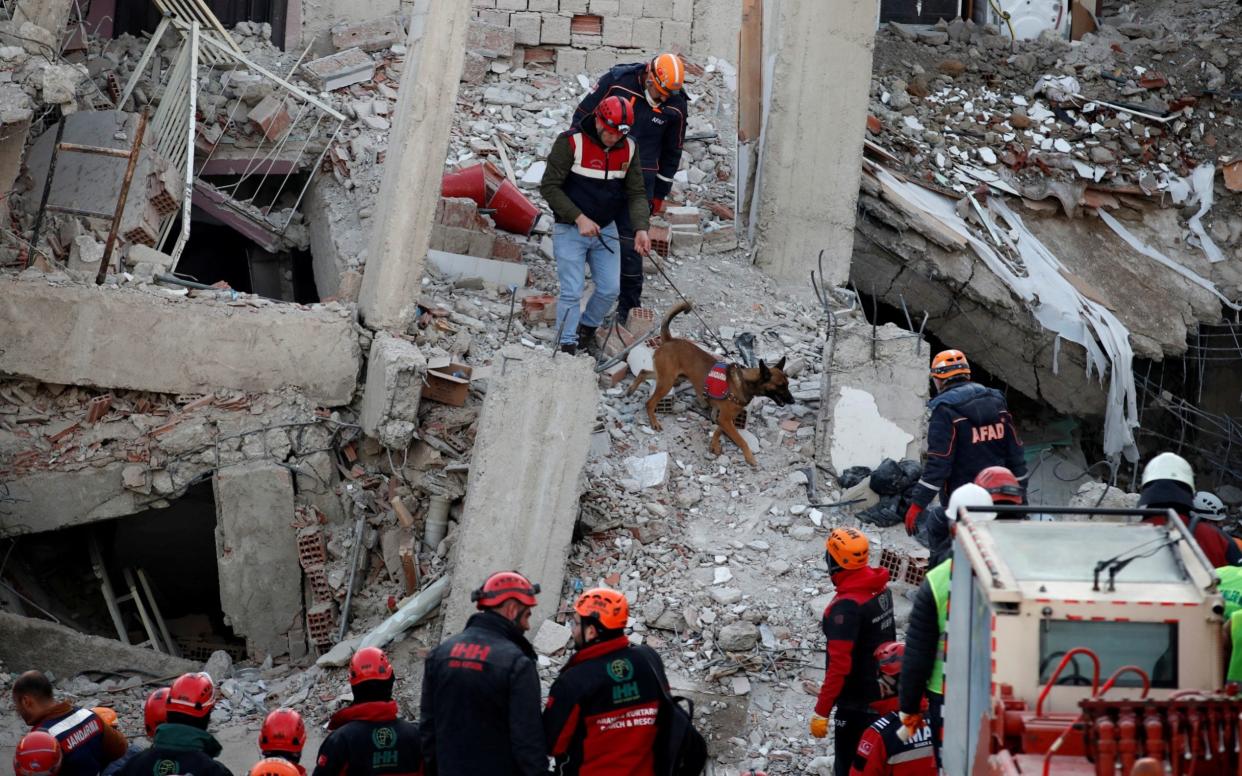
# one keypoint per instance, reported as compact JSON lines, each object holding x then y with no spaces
{"x":367,"y":735}
{"x":602,"y":713}
{"x":480,"y":707}
{"x":182,"y":743}
{"x":970,"y":429}
{"x":654,"y":89}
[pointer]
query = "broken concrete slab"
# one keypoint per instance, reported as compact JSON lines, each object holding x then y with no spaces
{"x":257,"y":555}
{"x":519,"y":511}
{"x":336,"y":71}
{"x":395,"y":371}
{"x":104,"y":337}
{"x":50,"y":500}
{"x":874,"y":400}
{"x":46,"y":646}
{"x":370,"y":35}
{"x":456,"y":265}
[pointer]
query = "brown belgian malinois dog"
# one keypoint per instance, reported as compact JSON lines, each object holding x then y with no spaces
{"x":677,"y":358}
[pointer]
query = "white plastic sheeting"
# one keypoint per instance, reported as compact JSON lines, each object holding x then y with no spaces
{"x":1057,"y":305}
{"x":1198,"y":188}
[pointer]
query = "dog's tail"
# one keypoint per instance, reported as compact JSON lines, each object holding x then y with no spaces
{"x":672,"y":313}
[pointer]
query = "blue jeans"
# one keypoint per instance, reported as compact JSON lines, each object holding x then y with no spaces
{"x":573,"y":253}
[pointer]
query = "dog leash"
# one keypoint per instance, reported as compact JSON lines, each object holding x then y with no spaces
{"x":693,"y":308}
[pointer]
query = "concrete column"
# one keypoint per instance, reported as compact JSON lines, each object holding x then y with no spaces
{"x":415,"y":162}
{"x":817,"y":59}
{"x":525,"y":481}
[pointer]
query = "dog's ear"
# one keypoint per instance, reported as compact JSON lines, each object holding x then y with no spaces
{"x":781,"y":364}
{"x":765,"y":374}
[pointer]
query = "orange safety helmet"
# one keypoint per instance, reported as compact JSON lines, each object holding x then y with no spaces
{"x":950,"y":363}
{"x":193,"y":695}
{"x":666,"y":74}
{"x":849,"y":547}
{"x":274,"y":766}
{"x":1000,"y":482}
{"x":607,"y":607}
{"x":502,"y":586}
{"x":369,"y":664}
{"x":155,"y":711}
{"x":107,"y":714}
{"x":38,"y":754}
{"x":283,"y":731}
{"x":888,"y":657}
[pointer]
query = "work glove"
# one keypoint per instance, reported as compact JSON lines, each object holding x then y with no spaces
{"x":910,"y":725}
{"x":819,"y":726}
{"x":912,"y":518}
{"x":657,"y":206}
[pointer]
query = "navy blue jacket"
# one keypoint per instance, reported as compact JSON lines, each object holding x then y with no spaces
{"x":970,"y":429}
{"x":659,"y":132}
{"x":87,"y":744}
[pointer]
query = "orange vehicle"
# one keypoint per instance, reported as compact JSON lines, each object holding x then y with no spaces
{"x":1078,"y":648}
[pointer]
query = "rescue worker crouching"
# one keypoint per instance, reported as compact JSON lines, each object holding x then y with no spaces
{"x":87,"y":743}
{"x":480,"y":706}
{"x":603,"y":711}
{"x":367,"y":735}
{"x":1169,"y":483}
{"x":856,"y":621}
{"x":883,"y":749}
{"x":970,"y":429}
{"x":182,"y":743}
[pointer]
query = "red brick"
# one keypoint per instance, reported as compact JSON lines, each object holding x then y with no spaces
{"x":541,"y":55}
{"x":541,"y":307}
{"x":586,"y":24}
{"x":504,"y":249}
{"x":457,"y":211}
{"x":272,"y":116}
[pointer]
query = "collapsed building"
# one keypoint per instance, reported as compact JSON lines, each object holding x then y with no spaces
{"x":278,"y":375}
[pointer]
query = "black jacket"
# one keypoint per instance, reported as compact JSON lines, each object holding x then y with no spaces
{"x":602,"y":711}
{"x":970,"y":429}
{"x":369,"y":738}
{"x":178,"y":749}
{"x":858,"y":619}
{"x":922,"y":643}
{"x":934,"y":532}
{"x":660,"y":132}
{"x":480,"y":706}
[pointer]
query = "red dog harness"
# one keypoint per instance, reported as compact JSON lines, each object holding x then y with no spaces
{"x":717,"y":383}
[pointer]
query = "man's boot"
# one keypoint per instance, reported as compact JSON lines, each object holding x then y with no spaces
{"x":587,"y":341}
{"x":570,"y":348}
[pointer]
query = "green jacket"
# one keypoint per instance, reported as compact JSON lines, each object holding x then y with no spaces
{"x":570,"y":193}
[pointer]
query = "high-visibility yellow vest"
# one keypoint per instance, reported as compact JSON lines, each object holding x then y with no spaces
{"x":1235,"y":652}
{"x":1230,"y":588}
{"x":938,"y":580}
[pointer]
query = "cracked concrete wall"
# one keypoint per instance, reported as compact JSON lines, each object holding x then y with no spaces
{"x":395,"y":372}
{"x":716,"y":27}
{"x":525,"y":480}
{"x":338,"y":240}
{"x":37,"y":644}
{"x":122,"y":338}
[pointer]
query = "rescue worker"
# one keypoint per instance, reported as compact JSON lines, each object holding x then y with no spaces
{"x":283,"y":736}
{"x":602,"y":711}
{"x":1207,"y":506}
{"x":940,"y":521}
{"x":1230,"y":590}
{"x":858,"y":619}
{"x":883,"y":750}
{"x":37,"y":754}
{"x":970,"y":429}
{"x":182,"y":743}
{"x":480,"y":706}
{"x":276,"y":766}
{"x":87,"y":743}
{"x":654,"y":89}
{"x":593,"y":178}
{"x":155,"y":711}
{"x":108,"y":715}
{"x":1169,"y":483}
{"x":368,"y":736}
{"x":921,"y":689}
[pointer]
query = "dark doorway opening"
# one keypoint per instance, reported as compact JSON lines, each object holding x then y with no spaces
{"x":138,"y":16}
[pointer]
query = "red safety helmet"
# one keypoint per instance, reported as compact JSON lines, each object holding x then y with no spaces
{"x":38,"y":754}
{"x":284,"y":731}
{"x":616,"y":113}
{"x":505,"y":585}
{"x":274,"y":766}
{"x":950,"y":363}
{"x":369,"y":664}
{"x":192,"y":694}
{"x":888,"y":657}
{"x":155,"y":711}
{"x":607,"y":607}
{"x":1000,"y":482}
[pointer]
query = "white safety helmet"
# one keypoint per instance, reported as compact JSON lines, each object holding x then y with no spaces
{"x":1208,"y":507}
{"x":1169,"y":466}
{"x":970,"y":495}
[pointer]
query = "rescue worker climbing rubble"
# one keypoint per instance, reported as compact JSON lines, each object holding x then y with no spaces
{"x":654,"y":89}
{"x":182,"y":743}
{"x":368,"y":736}
{"x":87,"y":743}
{"x":602,"y":711}
{"x":970,"y":429}
{"x":882,"y":751}
{"x":484,"y":679}
{"x":922,"y":673}
{"x":857,"y":620}
{"x":1168,"y":482}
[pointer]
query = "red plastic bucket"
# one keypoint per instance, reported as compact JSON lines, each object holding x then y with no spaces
{"x":514,"y":212}
{"x":479,"y":182}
